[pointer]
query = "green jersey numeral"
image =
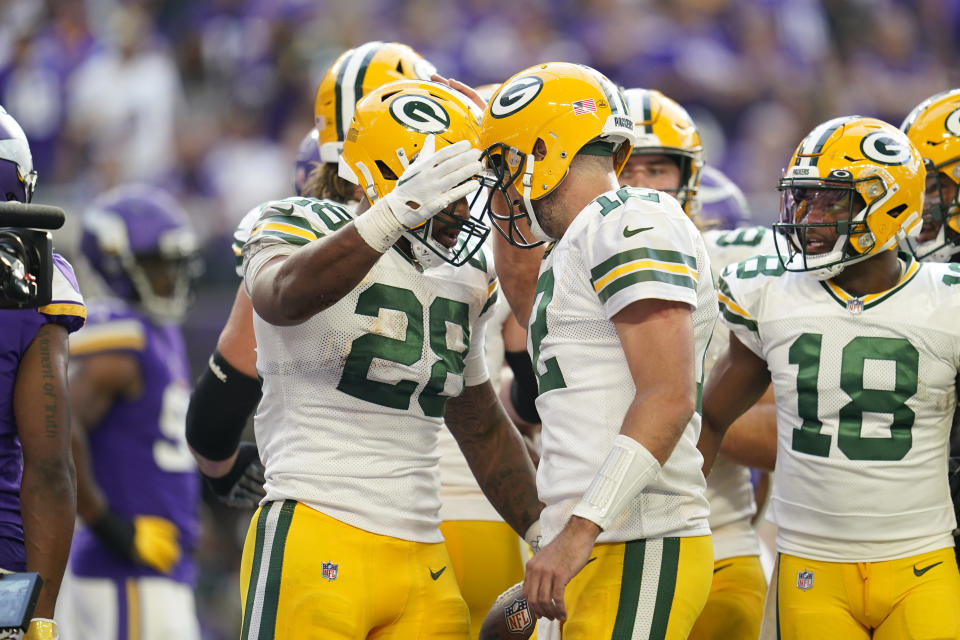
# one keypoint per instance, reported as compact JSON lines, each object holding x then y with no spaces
{"x":552,"y":378}
{"x":749,"y":237}
{"x":805,"y":353}
{"x":623,"y":194}
{"x":355,"y":382}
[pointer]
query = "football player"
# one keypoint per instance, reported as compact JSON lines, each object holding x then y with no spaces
{"x":37,"y":484}
{"x":228,"y":391}
{"x":934,"y":128}
{"x":369,"y":330}
{"x":668,"y":156}
{"x":620,"y":318}
{"x":137,"y":485}
{"x":863,"y":350}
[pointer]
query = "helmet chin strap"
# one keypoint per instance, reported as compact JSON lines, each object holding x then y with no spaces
{"x":535,"y":227}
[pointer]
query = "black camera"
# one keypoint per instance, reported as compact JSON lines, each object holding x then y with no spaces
{"x":26,"y":254}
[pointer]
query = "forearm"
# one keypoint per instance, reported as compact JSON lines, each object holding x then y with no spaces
{"x":292,"y":289}
{"x":48,"y":504}
{"x":517,"y":271}
{"x":657,"y":418}
{"x":496,"y":454}
{"x":90,"y":501}
{"x":752,"y":439}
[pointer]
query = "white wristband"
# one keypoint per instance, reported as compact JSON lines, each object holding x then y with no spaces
{"x":533,"y":535}
{"x":379,"y":227}
{"x":627,"y":470}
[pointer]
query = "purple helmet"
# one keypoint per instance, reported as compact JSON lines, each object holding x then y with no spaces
{"x":308,"y":155}
{"x":17,"y":177}
{"x":139,"y":240}
{"x":723,"y":205}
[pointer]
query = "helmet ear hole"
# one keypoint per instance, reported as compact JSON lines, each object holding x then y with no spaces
{"x":896,"y":211}
{"x":539,"y":150}
{"x":386,"y":171}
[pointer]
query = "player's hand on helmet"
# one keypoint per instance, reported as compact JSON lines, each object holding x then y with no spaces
{"x":433,"y":181}
{"x":242,"y":486}
{"x":42,"y":629}
{"x":148,"y":540}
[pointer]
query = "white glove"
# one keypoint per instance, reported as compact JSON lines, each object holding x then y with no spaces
{"x":429,"y":185}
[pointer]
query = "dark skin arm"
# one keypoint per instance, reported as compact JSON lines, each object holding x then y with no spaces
{"x":659,"y":345}
{"x":96,"y":382}
{"x":496,"y":454}
{"x":736,"y":382}
{"x":752,"y":438}
{"x":288,"y":290}
{"x":48,"y":489}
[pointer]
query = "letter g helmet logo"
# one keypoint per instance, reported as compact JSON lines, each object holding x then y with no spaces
{"x":515,"y":96}
{"x":419,"y":113}
{"x":881,"y":147}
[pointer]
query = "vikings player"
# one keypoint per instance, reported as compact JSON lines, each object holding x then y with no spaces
{"x":138,"y":488}
{"x":37,"y":485}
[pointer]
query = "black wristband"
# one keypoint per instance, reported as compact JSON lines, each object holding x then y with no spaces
{"x":220,"y":406}
{"x":523,"y":390}
{"x":246,"y":453}
{"x":115,"y":531}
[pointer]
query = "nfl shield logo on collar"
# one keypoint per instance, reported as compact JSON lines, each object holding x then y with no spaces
{"x":518,"y":616}
{"x":855,"y":305}
{"x":804,"y":580}
{"x":328,"y":570}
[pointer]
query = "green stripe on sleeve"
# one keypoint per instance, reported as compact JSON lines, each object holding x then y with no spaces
{"x":624,"y":257}
{"x":735,"y":318}
{"x":665,"y":588}
{"x":645,"y":275}
{"x":492,"y":300}
{"x":633,"y":553}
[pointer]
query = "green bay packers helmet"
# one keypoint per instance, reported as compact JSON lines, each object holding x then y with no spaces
{"x":663,"y":126}
{"x":390,"y":126}
{"x":568,"y":107}
{"x":354,"y":74}
{"x":934,"y":128}
{"x":869,"y":175}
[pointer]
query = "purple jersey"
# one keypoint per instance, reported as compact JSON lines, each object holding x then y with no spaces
{"x":19,"y":329}
{"x":138,"y":452}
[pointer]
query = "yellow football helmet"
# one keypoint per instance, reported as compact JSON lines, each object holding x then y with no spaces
{"x":868,"y":175}
{"x":568,"y":107}
{"x":934,"y":128}
{"x":389,"y":128}
{"x":663,"y":126}
{"x":354,"y":74}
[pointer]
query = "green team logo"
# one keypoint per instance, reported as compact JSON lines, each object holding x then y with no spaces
{"x":515,"y":96}
{"x":420,"y":113}
{"x":881,"y":147}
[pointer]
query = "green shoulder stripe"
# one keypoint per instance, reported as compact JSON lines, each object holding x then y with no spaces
{"x":290,"y":229}
{"x":647,"y":275}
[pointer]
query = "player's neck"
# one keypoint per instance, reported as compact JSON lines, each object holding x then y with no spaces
{"x":873,"y":275}
{"x":580,"y":189}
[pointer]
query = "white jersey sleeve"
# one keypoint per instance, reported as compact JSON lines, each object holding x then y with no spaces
{"x":242,"y":233}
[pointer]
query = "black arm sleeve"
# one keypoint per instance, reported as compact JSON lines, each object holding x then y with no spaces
{"x":523,"y":390}
{"x":220,"y":405}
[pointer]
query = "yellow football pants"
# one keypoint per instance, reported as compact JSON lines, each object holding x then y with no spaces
{"x":915,"y":598}
{"x":652,"y":589}
{"x":486,"y":560}
{"x":734,"y":608}
{"x":305,"y":575}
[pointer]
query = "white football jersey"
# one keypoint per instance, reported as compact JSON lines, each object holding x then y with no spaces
{"x":354,"y":397}
{"x":460,"y":495}
{"x":865,"y":392}
{"x":729,"y":489}
{"x":242,"y":233}
{"x":627,"y":245}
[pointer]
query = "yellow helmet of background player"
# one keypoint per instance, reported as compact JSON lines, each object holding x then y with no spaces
{"x":934,"y":128}
{"x":571,"y":108}
{"x":353,"y":75}
{"x":663,"y":126}
{"x":390,"y":126}
{"x":865,"y":165}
